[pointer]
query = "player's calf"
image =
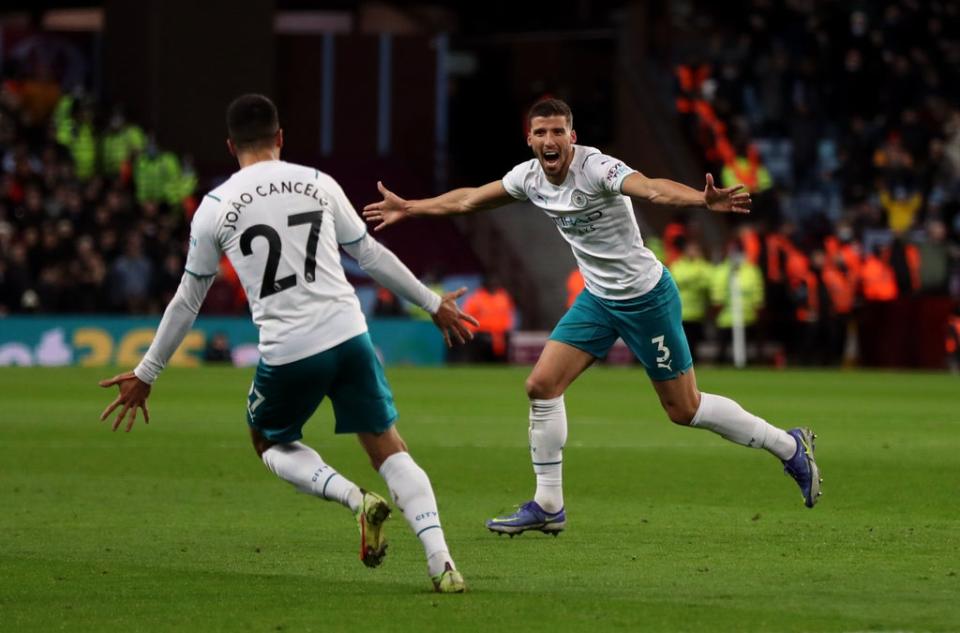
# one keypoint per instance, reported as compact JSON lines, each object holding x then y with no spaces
{"x":413,"y":493}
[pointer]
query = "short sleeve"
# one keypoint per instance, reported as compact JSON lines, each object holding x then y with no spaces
{"x":606,"y":173}
{"x":514,"y":180}
{"x":347,"y":223}
{"x":203,"y":257}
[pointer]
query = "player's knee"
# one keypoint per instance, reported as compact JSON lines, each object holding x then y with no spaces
{"x":378,"y":457}
{"x":261,"y":448}
{"x":681,"y":413}
{"x":260,"y":443}
{"x":540,"y":389}
{"x":380,"y":447}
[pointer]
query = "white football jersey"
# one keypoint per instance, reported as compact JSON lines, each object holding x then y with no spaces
{"x":595,"y":219}
{"x":282,"y":225}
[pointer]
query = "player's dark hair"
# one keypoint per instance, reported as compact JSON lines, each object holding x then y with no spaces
{"x":252,"y":121}
{"x":551,"y":107}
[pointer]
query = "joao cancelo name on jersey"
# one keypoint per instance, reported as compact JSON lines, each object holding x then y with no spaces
{"x":306,"y":189}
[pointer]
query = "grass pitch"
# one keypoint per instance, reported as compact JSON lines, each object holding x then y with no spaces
{"x":177,"y":526}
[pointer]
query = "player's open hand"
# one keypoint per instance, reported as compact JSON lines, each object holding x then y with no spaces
{"x":732,"y":199}
{"x":388,"y":211}
{"x":450,"y":319}
{"x":133,"y":395}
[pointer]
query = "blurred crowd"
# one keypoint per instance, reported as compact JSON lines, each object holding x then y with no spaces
{"x":847,"y":110}
{"x":843,"y":120}
{"x":93,"y":214}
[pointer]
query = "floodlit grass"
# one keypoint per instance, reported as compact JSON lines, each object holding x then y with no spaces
{"x":177,"y":526}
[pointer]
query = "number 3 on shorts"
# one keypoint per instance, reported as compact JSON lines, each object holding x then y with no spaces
{"x":663,"y":353}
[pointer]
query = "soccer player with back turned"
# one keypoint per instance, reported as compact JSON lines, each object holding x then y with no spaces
{"x":629,"y":294}
{"x":282,"y":225}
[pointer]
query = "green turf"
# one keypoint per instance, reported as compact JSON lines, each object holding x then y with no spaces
{"x":177,"y":526}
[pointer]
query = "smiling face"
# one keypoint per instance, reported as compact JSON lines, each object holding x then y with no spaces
{"x":551,"y":138}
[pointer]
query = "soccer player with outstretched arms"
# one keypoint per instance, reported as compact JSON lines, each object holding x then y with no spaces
{"x":282,"y":226}
{"x":629,"y":294}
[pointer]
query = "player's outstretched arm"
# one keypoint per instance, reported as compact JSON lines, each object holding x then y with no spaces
{"x":672,"y":193}
{"x":177,"y":320}
{"x":393,"y":208}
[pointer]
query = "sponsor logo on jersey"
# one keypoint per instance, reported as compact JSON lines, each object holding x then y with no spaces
{"x":581,"y":224}
{"x":615,"y":172}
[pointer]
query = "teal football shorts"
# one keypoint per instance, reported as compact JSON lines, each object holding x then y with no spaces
{"x":650,"y":325}
{"x":283,"y":397}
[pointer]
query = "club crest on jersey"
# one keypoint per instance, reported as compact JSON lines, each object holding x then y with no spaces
{"x":579,"y":199}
